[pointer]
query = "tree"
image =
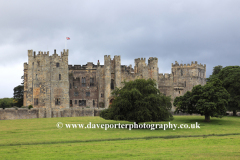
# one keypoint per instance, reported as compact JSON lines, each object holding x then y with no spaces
{"x":139,"y":101}
{"x":230,"y":77}
{"x":209,"y":100}
{"x":215,"y":72}
{"x":18,"y":95}
{"x":6,"y":102}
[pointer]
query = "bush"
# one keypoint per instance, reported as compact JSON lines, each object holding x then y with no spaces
{"x":30,"y":106}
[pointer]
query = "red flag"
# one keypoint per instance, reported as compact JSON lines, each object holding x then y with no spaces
{"x":68,"y":38}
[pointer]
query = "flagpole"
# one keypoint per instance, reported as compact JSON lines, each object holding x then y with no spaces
{"x":65,"y":43}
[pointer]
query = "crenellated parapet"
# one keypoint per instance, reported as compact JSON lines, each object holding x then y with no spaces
{"x":193,"y":64}
{"x":33,"y":54}
{"x":140,"y":60}
{"x":165,"y":76}
{"x":88,"y":66}
{"x":153,"y":61}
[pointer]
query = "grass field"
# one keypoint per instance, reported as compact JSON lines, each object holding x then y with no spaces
{"x":41,"y":139}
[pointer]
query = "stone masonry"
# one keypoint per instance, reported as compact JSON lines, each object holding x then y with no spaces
{"x":52,"y":84}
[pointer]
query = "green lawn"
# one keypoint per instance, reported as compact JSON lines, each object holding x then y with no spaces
{"x":41,"y":139}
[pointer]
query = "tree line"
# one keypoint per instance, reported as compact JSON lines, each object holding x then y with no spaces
{"x":17,"y":99}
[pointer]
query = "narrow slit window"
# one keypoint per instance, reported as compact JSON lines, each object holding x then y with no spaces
{"x":112,"y":84}
{"x":83,"y":81}
{"x":91,"y":82}
{"x":35,"y":101}
{"x":57,"y":101}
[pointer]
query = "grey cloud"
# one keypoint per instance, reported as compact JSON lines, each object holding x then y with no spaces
{"x":204,"y":31}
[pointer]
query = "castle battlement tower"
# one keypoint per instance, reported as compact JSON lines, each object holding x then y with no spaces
{"x":46,"y":83}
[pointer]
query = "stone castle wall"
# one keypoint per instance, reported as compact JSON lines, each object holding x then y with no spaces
{"x":56,"y":84}
{"x":24,"y":113}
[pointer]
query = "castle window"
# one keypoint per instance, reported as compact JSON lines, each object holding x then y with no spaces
{"x":88,"y":94}
{"x":181,"y":72}
{"x":57,"y":101}
{"x":112,"y":84}
{"x":93,"y":103}
{"x":83,"y":81}
{"x":70,"y":85}
{"x":36,"y":76}
{"x":101,"y":94}
{"x":38,"y":63}
{"x":185,"y":84}
{"x":91,"y":81}
{"x":71,"y":103}
{"x":75,"y":93}
{"x":82,"y":102}
{"x":75,"y":101}
{"x":59,"y":76}
{"x":57,"y":64}
{"x":35,"y":101}
{"x":73,"y":85}
{"x":179,"y":92}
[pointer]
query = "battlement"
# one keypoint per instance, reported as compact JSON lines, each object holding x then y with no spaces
{"x":82,"y":67}
{"x":107,"y":56}
{"x":32,"y":53}
{"x":150,"y":59}
{"x":193,"y":64}
{"x":164,"y":76}
{"x":140,"y":60}
{"x":117,"y":57}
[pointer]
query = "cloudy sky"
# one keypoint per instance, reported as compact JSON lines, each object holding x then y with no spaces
{"x":207,"y":31}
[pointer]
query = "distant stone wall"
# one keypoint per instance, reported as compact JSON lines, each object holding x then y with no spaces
{"x":24,"y":113}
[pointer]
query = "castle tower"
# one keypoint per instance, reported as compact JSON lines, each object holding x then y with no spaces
{"x":25,"y":71}
{"x":140,"y":68}
{"x":153,"y":68}
{"x":186,"y":76}
{"x":117,"y":70}
{"x":47,"y":84}
{"x":107,"y":79}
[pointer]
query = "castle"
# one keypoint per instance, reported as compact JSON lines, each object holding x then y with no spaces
{"x":51,"y":83}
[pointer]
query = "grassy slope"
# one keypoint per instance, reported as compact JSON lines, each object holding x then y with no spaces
{"x":36,"y":132}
